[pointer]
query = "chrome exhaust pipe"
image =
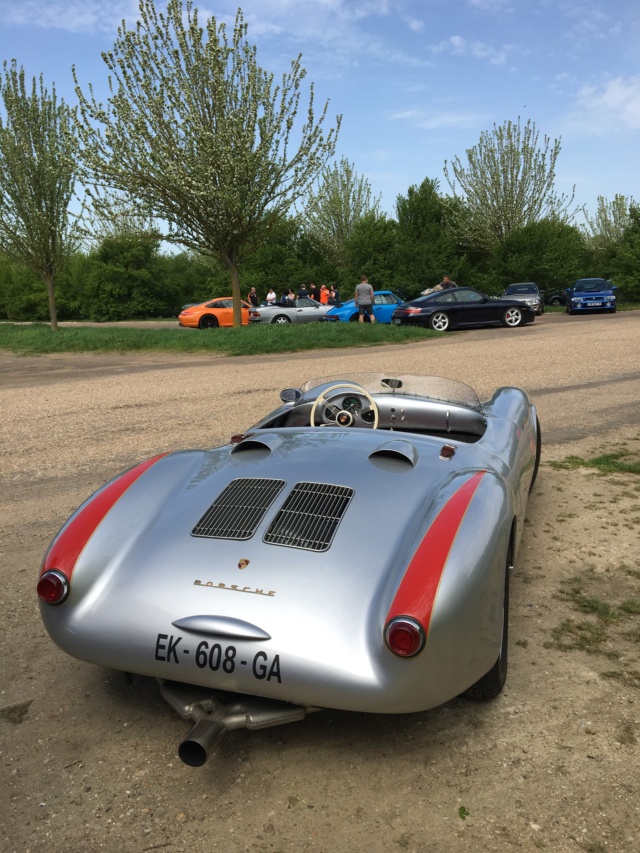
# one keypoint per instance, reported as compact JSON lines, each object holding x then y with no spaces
{"x":203,"y":737}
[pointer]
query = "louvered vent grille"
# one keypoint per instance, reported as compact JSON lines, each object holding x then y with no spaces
{"x":238,"y":511}
{"x":309,"y":516}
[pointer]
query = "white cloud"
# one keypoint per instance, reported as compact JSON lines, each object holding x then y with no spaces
{"x":83,"y":16}
{"x":609,"y":107}
{"x":459,"y":46}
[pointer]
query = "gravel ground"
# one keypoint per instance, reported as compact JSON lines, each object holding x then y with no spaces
{"x":89,"y":756}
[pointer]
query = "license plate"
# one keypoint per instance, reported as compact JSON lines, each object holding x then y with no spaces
{"x":593,"y":304}
{"x":217,"y":657}
{"x":397,"y":322}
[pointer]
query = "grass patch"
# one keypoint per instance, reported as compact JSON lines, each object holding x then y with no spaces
{"x":38,"y":339}
{"x":622,"y":462}
{"x":613,"y":631}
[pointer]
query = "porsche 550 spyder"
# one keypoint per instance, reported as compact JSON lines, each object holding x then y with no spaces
{"x":351,"y":550}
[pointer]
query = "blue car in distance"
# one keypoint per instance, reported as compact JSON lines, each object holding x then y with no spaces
{"x":385,"y":303}
{"x":591,"y":294}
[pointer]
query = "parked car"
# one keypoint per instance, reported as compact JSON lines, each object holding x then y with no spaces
{"x":305,"y":310}
{"x":211,"y":314}
{"x":353,"y":549}
{"x":556,"y":297}
{"x":461,"y":307}
{"x":384,"y":304}
{"x":591,"y":294}
{"x":527,"y":292}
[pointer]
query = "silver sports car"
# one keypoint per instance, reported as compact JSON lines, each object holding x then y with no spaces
{"x":351,"y":550}
{"x":305,"y":310}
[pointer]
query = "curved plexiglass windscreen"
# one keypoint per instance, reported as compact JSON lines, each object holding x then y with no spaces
{"x":431,"y":387}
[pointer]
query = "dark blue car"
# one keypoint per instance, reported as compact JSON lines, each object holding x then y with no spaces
{"x":591,"y":294}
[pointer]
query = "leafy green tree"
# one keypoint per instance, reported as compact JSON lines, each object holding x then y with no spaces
{"x":198,"y":133}
{"x":340,"y":200}
{"x":38,"y":171}
{"x":624,"y":264}
{"x":125,"y":280}
{"x":370,"y":251}
{"x":508,"y":182}
{"x":549,"y":252}
{"x":425,"y":244}
{"x":605,"y":230}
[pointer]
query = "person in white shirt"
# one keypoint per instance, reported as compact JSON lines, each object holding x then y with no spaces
{"x":271,"y":297}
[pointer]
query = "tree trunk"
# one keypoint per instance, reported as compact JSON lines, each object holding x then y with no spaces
{"x":235,"y":292}
{"x":48,"y":279}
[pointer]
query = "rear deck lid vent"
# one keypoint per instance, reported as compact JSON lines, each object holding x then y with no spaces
{"x":239,"y":509}
{"x":309,"y":517}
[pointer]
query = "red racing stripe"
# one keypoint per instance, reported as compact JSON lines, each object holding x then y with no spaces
{"x":66,"y":549}
{"x":417,"y":591}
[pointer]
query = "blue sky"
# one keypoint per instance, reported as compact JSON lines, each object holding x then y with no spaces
{"x":416,"y":81}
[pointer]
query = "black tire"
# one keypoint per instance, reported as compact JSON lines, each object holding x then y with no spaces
{"x":440,"y":321}
{"x":536,"y":464}
{"x":512,"y":317}
{"x":491,"y":684}
{"x":281,"y":320}
{"x":355,"y":317}
{"x":555,"y":300}
{"x":208,"y":321}
{"x":613,"y":310}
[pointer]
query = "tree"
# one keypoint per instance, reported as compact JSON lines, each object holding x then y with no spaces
{"x":508,"y":183}
{"x":38,"y":171}
{"x":340,"y":200}
{"x":608,"y":225}
{"x":370,"y":251}
{"x":549,"y":252}
{"x":625,"y":258}
{"x":426,"y":249}
{"x":197,"y":132}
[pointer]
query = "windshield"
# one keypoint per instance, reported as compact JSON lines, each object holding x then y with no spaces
{"x":592,"y":285}
{"x":521,"y":288}
{"x":432,"y":387}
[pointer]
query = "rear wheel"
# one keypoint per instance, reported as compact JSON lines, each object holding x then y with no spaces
{"x":512,"y":317}
{"x":555,"y":300}
{"x":440,"y":322}
{"x":281,"y":320}
{"x":491,"y":684}
{"x":208,"y":322}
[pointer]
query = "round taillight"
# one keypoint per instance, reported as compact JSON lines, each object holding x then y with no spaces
{"x":53,"y":587}
{"x":404,"y":636}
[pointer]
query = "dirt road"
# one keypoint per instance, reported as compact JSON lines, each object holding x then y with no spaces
{"x":89,"y":756}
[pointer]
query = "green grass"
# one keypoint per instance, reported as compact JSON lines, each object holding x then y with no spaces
{"x":621,"y":462}
{"x":38,"y":339}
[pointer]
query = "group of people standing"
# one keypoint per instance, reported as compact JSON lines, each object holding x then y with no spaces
{"x":325,"y":294}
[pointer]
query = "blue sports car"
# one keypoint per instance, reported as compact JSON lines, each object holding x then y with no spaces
{"x":591,"y":294}
{"x":384,"y":304}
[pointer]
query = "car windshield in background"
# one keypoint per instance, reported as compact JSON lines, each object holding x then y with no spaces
{"x":521,"y":288}
{"x":593,"y":286}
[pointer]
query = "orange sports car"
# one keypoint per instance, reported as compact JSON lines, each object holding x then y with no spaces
{"x":211,"y":314}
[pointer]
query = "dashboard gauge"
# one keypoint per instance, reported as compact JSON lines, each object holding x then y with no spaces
{"x":352,"y":404}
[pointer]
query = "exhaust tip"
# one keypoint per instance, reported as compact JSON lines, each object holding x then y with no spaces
{"x":194,"y":750}
{"x":192,"y":753}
